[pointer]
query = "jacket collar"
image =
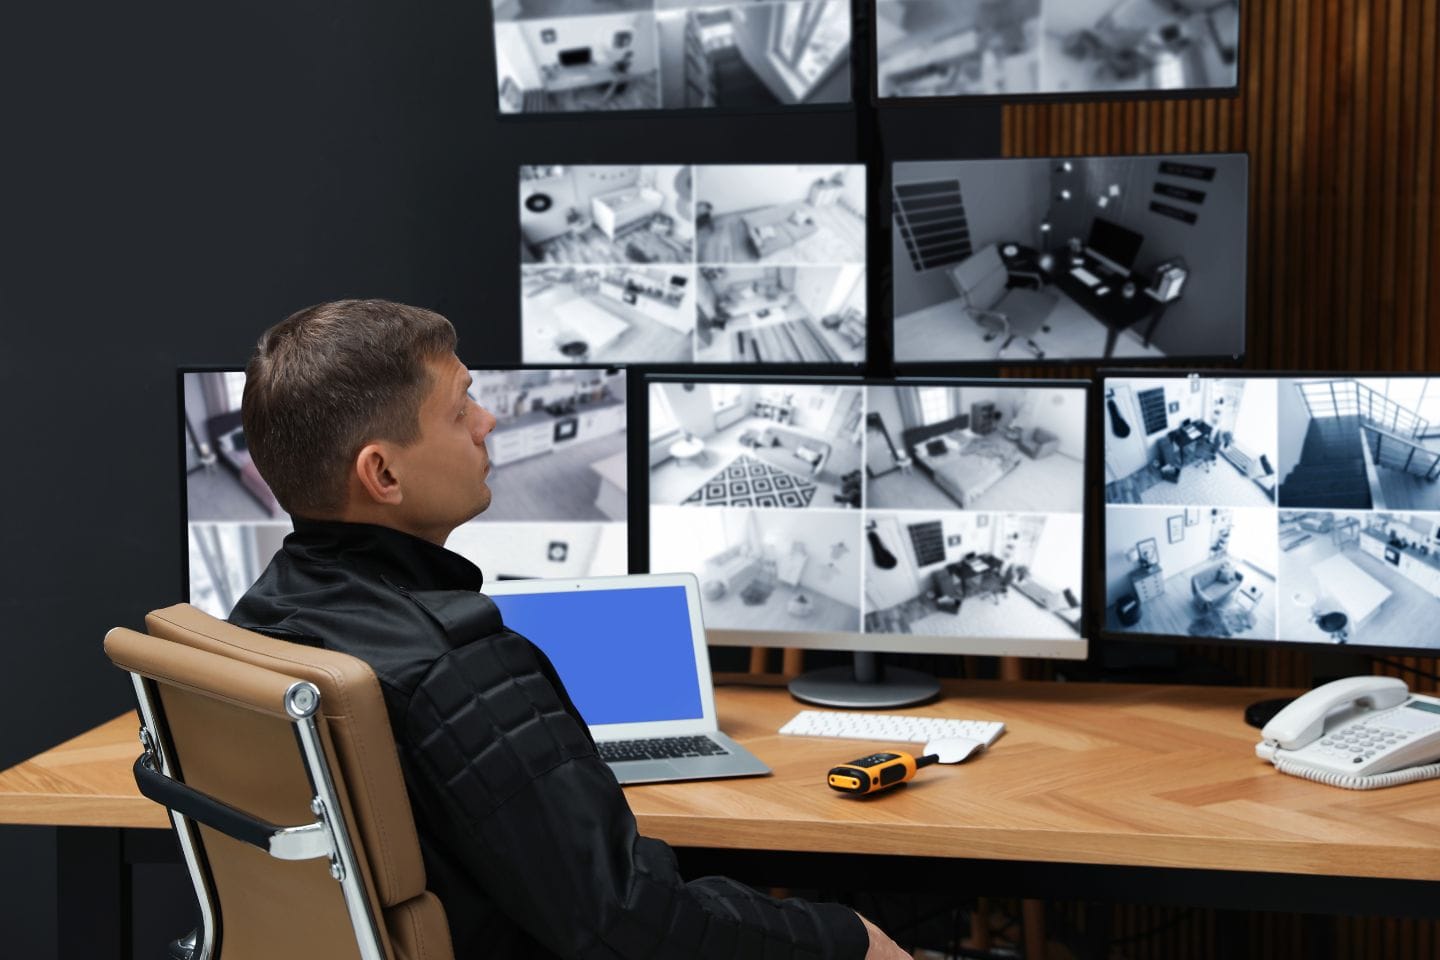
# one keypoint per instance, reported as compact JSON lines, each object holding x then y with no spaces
{"x":404,"y":559}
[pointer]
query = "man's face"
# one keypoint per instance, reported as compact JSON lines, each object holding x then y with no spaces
{"x":442,"y":474}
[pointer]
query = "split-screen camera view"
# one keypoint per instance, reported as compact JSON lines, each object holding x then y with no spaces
{"x":833,"y":508}
{"x":558,"y":482}
{"x":586,"y":55}
{"x":967,"y":48}
{"x":724,"y":264}
{"x":1303,"y":509}
{"x":1073,"y":258}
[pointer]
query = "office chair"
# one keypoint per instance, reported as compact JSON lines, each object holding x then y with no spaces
{"x":278,"y":765}
{"x":983,"y":284}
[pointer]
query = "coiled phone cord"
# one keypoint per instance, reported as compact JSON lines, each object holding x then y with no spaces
{"x":1350,"y":782}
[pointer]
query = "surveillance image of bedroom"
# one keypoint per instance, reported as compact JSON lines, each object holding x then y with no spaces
{"x":780,"y":215}
{"x":1070,"y":259}
{"x":781,"y":446}
{"x":759,"y":314}
{"x":973,"y":574}
{"x":607,"y":214}
{"x":1198,"y":441}
{"x":982,"y":448}
{"x":753,"y":55}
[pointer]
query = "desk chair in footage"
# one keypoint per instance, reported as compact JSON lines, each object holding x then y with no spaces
{"x":983,"y":281}
{"x":266,"y":733}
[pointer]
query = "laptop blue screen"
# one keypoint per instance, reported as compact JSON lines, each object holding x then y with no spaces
{"x":625,"y":656}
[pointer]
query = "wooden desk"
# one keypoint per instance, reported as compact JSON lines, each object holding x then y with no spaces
{"x":1131,"y":792}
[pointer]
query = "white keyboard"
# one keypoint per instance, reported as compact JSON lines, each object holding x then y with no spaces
{"x":1085,"y":277}
{"x":850,"y":725}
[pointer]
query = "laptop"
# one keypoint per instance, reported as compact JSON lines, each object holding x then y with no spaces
{"x":631,"y":652}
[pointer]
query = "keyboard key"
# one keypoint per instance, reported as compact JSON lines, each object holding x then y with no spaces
{"x":661,"y":748}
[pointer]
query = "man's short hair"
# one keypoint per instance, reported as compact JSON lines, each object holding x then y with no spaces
{"x":326,"y":381}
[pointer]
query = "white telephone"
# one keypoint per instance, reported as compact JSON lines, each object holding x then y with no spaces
{"x":1359,"y":733}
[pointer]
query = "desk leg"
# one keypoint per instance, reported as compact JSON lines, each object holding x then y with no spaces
{"x":1111,"y":336}
{"x":94,"y":904}
{"x":1033,"y":914}
{"x":1155,"y":322}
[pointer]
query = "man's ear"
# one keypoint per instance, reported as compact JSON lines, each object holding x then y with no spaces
{"x":374,"y":470}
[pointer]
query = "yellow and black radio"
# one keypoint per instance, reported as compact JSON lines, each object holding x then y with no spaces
{"x":876,"y":772}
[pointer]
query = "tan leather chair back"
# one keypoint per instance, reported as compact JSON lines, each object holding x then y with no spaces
{"x":221,"y":691}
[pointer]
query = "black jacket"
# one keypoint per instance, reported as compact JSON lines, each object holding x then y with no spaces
{"x":526,"y":836}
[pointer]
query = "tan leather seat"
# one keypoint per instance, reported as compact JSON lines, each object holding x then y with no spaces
{"x":214,"y":698}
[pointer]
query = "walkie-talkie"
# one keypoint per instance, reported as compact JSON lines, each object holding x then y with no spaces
{"x":877,"y":772}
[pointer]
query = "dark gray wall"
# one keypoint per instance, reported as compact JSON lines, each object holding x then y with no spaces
{"x":174,"y":177}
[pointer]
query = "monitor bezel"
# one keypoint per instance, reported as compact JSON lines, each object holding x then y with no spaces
{"x":1056,"y":97}
{"x":1100,"y":629}
{"x":1047,"y":648}
{"x":852,"y":368}
{"x":943,"y":368}
{"x":632,"y":393}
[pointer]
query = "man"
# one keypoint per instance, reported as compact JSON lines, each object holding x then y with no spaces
{"x":357,"y":415}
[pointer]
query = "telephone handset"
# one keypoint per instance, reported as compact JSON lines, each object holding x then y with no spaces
{"x":1359,"y":733}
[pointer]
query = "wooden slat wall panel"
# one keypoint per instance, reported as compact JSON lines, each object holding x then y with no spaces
{"x":1338,"y":112}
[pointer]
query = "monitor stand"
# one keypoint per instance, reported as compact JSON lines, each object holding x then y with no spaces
{"x":1262,"y":712}
{"x":865,"y":685}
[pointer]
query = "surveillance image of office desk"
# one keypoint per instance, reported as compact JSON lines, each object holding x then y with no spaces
{"x":1112,"y":307}
{"x":1129,"y":793}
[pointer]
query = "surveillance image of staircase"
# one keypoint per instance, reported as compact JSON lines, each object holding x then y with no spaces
{"x":1360,"y":443}
{"x":749,"y":55}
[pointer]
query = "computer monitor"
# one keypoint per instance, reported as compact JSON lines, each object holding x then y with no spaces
{"x":1018,"y":49}
{"x":1115,"y":246}
{"x":559,"y":481}
{"x":1069,"y":259}
{"x":722,"y":265}
{"x":670,"y":55}
{"x":1273,"y":509}
{"x":929,"y":516}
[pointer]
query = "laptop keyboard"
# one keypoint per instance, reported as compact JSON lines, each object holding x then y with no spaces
{"x":659,"y":748}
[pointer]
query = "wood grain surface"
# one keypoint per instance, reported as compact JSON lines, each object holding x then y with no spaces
{"x":1138,"y":775}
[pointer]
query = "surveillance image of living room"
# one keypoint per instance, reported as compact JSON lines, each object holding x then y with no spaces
{"x":1360,"y":443}
{"x":785,"y":446}
{"x":765,"y":570}
{"x":797,"y":314}
{"x":1070,"y":259}
{"x":1191,"y":571}
{"x":956,"y":48}
{"x":1361,"y":577}
{"x":607,"y":256}
{"x":749,"y":55}
{"x":780,"y":215}
{"x":980,"y":447}
{"x":1196,"y":441}
{"x":957,"y":574}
